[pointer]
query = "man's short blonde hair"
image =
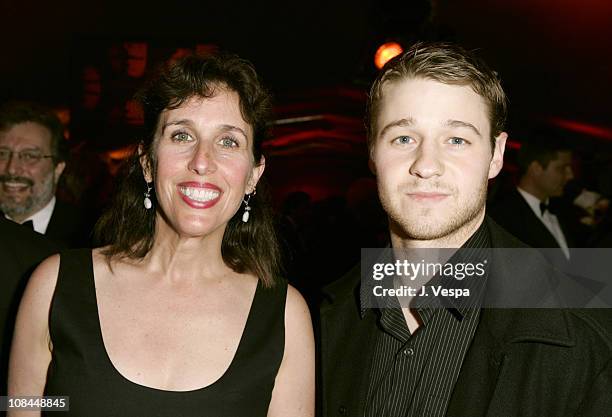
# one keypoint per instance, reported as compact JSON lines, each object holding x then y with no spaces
{"x":448,"y":64}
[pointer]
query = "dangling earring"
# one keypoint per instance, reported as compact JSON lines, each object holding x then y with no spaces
{"x":147,"y":200}
{"x":247,"y":208}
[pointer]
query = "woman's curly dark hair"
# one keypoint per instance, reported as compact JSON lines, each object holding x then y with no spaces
{"x":129,"y":229}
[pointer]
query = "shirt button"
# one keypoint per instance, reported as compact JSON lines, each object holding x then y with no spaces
{"x":342,"y":410}
{"x":409,"y":352}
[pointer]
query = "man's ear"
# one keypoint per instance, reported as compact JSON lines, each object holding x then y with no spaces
{"x":536,"y":168}
{"x":497,"y":161}
{"x":145,"y":164}
{"x":256,"y":174}
{"x":58,"y":170}
{"x":372,"y":165}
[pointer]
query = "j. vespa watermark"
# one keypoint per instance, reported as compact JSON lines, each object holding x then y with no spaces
{"x":408,"y":278}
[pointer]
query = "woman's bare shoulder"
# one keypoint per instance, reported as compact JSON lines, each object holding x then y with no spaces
{"x":44,"y":277}
{"x":105,"y":265}
{"x":41,"y":285}
{"x":98,"y":256}
{"x":297,"y":313}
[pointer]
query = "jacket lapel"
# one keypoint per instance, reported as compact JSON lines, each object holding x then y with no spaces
{"x":347,"y":344}
{"x":480,"y":388}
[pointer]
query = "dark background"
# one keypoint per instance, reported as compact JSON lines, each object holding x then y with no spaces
{"x":553,"y":55}
{"x":554,"y":58}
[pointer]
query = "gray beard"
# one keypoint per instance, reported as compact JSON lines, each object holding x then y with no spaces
{"x":32,"y":204}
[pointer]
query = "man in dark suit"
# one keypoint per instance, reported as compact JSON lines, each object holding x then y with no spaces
{"x":21,"y":249}
{"x":32,"y":160}
{"x":436,"y":117}
{"x":526,"y":211}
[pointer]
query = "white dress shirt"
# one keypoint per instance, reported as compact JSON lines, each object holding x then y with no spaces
{"x":41,"y":218}
{"x":550,"y":220}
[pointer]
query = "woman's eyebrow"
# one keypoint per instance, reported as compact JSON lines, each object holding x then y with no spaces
{"x":181,"y":122}
{"x":229,"y":128}
{"x":187,"y":122}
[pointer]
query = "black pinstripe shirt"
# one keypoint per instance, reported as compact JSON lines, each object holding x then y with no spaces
{"x":414,"y":374}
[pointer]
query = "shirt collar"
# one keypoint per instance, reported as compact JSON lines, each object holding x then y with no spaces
{"x":479,"y":243}
{"x":365,"y":291}
{"x":532,"y":201}
{"x":42,"y":217}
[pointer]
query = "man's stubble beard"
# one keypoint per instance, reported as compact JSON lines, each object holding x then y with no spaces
{"x":429,"y":226}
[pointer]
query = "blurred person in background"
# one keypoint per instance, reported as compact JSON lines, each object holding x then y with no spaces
{"x":32,"y":159}
{"x":526,"y":211}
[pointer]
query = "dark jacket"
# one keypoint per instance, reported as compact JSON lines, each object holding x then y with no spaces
{"x":514,"y":214}
{"x":69,"y":227}
{"x":521,"y":362}
{"x":21,"y":249}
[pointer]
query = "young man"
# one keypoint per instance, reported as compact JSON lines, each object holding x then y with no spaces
{"x":436,"y":119}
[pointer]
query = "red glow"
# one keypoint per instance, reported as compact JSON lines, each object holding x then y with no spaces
{"x":120,"y":154}
{"x":92,"y":87}
{"x":385,"y":52}
{"x":180,"y":53}
{"x":585,"y":128}
{"x":136,"y":58}
{"x":133,"y":113}
{"x":206,"y":49}
{"x":513,"y":145}
{"x":310,"y":135}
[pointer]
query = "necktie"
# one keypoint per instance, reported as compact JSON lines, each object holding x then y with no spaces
{"x":29,"y":224}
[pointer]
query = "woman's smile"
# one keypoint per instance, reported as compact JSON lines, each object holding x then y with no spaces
{"x":199,"y":195}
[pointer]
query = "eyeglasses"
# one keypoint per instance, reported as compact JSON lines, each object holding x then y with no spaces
{"x":25,"y":157}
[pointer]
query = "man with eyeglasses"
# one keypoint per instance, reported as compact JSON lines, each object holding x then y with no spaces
{"x":32,"y":160}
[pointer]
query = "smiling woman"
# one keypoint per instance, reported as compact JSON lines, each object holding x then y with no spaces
{"x":181,"y":312}
{"x":209,"y":137}
{"x":228,"y":89}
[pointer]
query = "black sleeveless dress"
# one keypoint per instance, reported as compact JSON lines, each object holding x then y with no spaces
{"x":81,"y":369}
